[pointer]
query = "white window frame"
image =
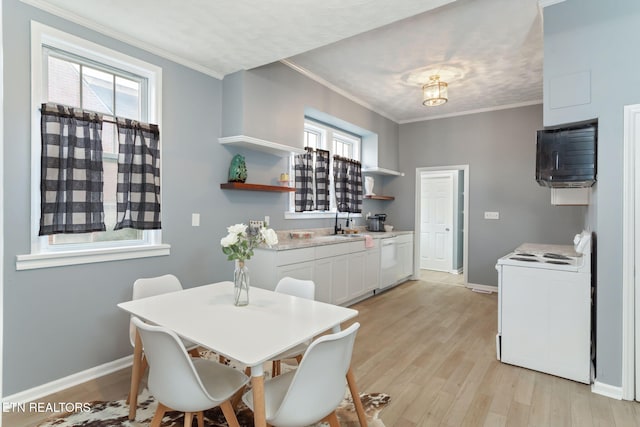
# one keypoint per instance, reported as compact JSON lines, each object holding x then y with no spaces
{"x":42,"y":254}
{"x":327,"y":134}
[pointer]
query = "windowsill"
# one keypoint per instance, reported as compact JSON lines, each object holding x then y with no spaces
{"x":59,"y":259}
{"x":318,"y":215}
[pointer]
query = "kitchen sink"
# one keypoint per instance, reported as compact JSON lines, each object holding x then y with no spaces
{"x":349,"y":236}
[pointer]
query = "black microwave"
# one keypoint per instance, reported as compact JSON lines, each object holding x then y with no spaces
{"x":566,"y":156}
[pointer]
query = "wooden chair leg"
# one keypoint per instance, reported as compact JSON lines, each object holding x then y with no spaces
{"x":157,"y":418}
{"x":201,"y":419}
{"x":235,"y":399}
{"x":143,"y":365}
{"x":188,"y":417}
{"x":332,"y":419}
{"x":229,"y":414}
{"x":275,"y":368}
{"x":355,"y":395}
{"x":135,"y":377}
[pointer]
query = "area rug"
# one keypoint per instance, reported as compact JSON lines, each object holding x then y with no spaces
{"x":115,"y":414}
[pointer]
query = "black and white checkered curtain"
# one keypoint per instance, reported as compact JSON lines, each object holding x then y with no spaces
{"x":303,"y":167}
{"x":347,"y":176}
{"x":322,"y":179}
{"x":138,"y":190}
{"x":354,"y":186}
{"x":340,"y":182}
{"x":71,"y":181}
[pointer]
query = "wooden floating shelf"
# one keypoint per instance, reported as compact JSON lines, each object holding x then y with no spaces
{"x":380,"y":197}
{"x":255,"y":187}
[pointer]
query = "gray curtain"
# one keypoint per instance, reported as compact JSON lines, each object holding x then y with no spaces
{"x":71,"y":183}
{"x":303,"y":168}
{"x":347,"y":176}
{"x":138,"y":191}
{"x":322,"y":179}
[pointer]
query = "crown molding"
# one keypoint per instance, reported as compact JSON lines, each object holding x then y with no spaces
{"x":479,"y":110}
{"x":92,"y":25}
{"x":335,"y":88}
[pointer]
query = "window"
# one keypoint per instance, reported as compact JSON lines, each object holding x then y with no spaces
{"x":73,"y":81}
{"x":74,"y":72}
{"x":337,"y":142}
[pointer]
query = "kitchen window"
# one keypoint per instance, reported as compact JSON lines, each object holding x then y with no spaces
{"x":74,"y":72}
{"x":318,"y":136}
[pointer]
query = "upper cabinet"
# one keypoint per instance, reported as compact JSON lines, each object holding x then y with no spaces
{"x":379,"y":158}
{"x":256,"y":115}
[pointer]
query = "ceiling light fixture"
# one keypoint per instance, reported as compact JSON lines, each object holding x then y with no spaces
{"x":435,"y":92}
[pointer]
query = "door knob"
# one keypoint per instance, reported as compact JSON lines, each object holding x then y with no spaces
{"x":446,"y":229}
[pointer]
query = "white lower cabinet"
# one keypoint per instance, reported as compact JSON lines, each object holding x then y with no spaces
{"x":405,"y":256}
{"x":355,"y":275}
{"x":338,"y":270}
{"x":302,"y":270}
{"x":372,"y":267}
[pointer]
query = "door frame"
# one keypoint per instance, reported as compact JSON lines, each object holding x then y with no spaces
{"x":630,"y":254}
{"x":465,"y":212}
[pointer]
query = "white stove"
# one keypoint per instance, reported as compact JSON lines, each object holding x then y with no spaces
{"x":544,"y":308}
{"x":551,"y":257}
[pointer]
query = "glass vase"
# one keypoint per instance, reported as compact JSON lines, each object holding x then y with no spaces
{"x":241,"y":284}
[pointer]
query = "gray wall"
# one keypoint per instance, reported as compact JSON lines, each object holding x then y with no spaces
{"x":599,"y":38}
{"x":60,"y":321}
{"x":499,"y":148}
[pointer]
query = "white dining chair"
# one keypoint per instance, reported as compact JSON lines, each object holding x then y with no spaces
{"x":297,"y":288}
{"x":182,"y":383}
{"x":148,"y":287}
{"x":313,"y":391}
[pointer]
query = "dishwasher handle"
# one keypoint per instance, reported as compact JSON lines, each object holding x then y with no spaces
{"x":389,"y":241}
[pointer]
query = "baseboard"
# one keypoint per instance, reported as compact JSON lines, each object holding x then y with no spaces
{"x":72,"y":380}
{"x":614,"y":392}
{"x":482,"y":288}
{"x":458,"y":271}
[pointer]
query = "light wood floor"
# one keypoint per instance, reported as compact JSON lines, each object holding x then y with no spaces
{"x":431,"y":346}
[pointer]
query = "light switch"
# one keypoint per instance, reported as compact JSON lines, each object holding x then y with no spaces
{"x":492,"y":215}
{"x":195,"y":220}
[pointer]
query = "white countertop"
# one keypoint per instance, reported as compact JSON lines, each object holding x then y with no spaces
{"x":319,"y":239}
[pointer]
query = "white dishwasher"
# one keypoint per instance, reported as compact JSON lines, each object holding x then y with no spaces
{"x":388,"y":262}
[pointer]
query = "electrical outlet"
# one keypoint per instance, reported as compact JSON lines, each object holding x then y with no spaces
{"x":492,"y":215}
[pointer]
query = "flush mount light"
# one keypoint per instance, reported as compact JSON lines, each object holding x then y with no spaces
{"x":435,"y":92}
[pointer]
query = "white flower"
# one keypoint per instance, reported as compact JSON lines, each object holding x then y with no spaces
{"x":230,"y":239}
{"x":237,"y":229}
{"x":269,"y":236}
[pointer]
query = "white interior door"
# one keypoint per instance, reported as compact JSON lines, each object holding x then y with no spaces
{"x":436,"y":216}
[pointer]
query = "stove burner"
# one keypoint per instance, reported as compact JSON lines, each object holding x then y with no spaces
{"x":557,"y":262}
{"x":555,"y":256}
{"x":524,"y":254}
{"x":517,"y":258}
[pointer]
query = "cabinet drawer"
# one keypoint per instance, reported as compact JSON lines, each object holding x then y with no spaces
{"x":404,"y":238}
{"x":337,"y":249}
{"x":294,"y":256}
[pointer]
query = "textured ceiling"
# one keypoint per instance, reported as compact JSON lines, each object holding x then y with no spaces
{"x":377,"y":52}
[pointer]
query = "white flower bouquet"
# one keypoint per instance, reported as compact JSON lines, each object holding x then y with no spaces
{"x":239,"y":244}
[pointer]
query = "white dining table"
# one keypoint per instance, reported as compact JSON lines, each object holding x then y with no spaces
{"x":252,"y":335}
